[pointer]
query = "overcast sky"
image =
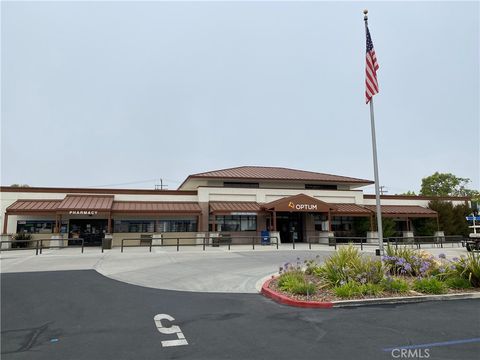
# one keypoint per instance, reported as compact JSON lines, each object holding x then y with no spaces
{"x":122,"y":93}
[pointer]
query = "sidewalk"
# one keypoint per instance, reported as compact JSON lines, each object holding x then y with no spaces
{"x":238,"y":270}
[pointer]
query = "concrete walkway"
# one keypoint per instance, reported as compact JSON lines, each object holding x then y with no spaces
{"x":240,"y":270}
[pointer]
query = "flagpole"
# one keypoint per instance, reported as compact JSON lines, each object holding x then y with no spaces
{"x":375,"y":165}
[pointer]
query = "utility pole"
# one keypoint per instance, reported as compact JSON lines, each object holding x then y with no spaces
{"x":160,"y":186}
{"x":383,"y":191}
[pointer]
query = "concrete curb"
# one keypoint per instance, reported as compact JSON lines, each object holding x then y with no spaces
{"x":406,"y":299}
{"x":282,"y":299}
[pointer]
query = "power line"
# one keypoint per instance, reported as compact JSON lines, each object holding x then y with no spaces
{"x":160,"y":186}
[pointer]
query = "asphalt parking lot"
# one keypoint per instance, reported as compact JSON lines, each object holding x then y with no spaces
{"x":84,"y":315}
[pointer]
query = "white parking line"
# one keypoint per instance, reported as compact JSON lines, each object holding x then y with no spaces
{"x":173,"y":329}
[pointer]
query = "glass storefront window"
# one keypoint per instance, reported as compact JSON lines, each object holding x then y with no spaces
{"x":236,"y":222}
{"x":176,"y":225}
{"x":151,"y":226}
{"x":342,"y":223}
{"x":35,"y":226}
{"x":134,"y":226}
{"x":321,"y":222}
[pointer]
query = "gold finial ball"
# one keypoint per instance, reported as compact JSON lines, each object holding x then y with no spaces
{"x":365,"y":11}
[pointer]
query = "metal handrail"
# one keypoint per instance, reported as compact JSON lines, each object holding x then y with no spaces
{"x":39,"y":244}
{"x":226,"y":240}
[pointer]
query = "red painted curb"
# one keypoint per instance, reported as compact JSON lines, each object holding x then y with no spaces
{"x":282,"y":299}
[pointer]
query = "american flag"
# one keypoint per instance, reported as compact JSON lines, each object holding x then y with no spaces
{"x":371,"y":84}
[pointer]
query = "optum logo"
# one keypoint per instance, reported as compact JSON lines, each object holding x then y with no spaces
{"x":302,"y":206}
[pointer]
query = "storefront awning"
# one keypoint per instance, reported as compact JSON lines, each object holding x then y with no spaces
{"x":91,"y":205}
{"x":155,"y":207}
{"x":299,"y":203}
{"x":232,"y":207}
{"x":413,"y":211}
{"x":33,"y":206}
{"x":86,"y":203}
{"x":351,"y":210}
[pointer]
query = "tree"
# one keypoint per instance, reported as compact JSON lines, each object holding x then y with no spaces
{"x":446,"y":184}
{"x":389,"y":227}
{"x":409,"y":192}
{"x":451,"y":218}
{"x":19,"y":185}
{"x":361,"y":225}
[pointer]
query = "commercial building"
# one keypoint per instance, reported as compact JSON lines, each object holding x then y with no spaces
{"x":293,"y":204}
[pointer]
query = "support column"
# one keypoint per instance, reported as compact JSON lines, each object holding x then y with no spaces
{"x":5,"y":224}
{"x":57,"y":229}
{"x":371,"y":224}
{"x":408,"y":224}
{"x":329,"y":221}
{"x":438,"y":224}
{"x":109,"y":223}
{"x":274,"y":233}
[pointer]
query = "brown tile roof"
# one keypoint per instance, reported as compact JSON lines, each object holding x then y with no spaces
{"x":275,"y":173}
{"x":351,"y":209}
{"x":418,"y":197}
{"x":156,"y":207}
{"x":102,"y":191}
{"x":34,"y":206}
{"x":229,"y":206}
{"x":86,"y":202}
{"x":404,"y":210}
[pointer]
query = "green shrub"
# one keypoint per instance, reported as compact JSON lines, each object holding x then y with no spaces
{"x":395,"y":285}
{"x":295,"y":283}
{"x":347,"y":265}
{"x":353,"y":289}
{"x":429,"y":285}
{"x":457,"y":282}
{"x":312,"y":267}
{"x":410,"y":262}
{"x":288,"y":278}
{"x":18,"y":243}
{"x":371,"y":289}
{"x":303,"y":288}
{"x":348,"y":290}
{"x":468,"y":268}
{"x":369,"y":271}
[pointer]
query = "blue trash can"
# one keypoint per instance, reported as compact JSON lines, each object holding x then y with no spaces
{"x":265,"y":234}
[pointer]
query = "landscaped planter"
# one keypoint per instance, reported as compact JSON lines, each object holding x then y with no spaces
{"x":270,"y":290}
{"x":348,"y":278}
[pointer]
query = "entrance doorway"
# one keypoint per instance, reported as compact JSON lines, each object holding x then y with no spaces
{"x":92,"y":231}
{"x":290,"y":225}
